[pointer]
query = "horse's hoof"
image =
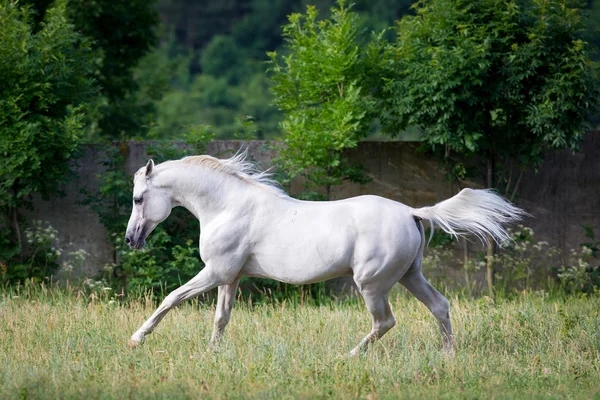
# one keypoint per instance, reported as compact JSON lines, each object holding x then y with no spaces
{"x":132,"y":344}
{"x":449,"y":352}
{"x":354,"y":353}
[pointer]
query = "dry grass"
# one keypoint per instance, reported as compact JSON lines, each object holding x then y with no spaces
{"x":54,"y":345}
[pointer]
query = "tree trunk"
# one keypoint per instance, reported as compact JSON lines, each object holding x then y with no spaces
{"x":17,"y":229}
{"x":466,"y":262}
{"x":516,"y":188}
{"x":328,"y":185}
{"x":489,"y":261}
{"x":114,"y":212}
{"x":465,"y":245}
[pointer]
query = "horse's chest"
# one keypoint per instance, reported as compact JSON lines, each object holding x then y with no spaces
{"x":222,"y":242}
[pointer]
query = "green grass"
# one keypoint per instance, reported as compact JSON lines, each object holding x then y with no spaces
{"x":55,"y":345}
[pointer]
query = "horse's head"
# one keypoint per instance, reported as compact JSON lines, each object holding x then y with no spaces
{"x":151,"y":205}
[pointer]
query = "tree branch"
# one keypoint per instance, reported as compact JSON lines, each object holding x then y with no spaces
{"x":514,"y":193}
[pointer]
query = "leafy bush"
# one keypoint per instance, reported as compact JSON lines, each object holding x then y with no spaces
{"x":46,"y":86}
{"x":121,"y":33}
{"x":161,"y":267}
{"x":43,"y":251}
{"x":581,"y":275}
{"x":526,"y":263}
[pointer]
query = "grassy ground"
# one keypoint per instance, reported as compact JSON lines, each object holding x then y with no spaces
{"x":58,"y":346}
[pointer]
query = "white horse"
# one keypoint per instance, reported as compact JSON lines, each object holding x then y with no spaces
{"x":250,"y":227}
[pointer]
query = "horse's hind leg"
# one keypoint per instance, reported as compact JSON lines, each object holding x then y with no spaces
{"x":223,"y":310}
{"x":439,"y":306}
{"x":383,"y":319}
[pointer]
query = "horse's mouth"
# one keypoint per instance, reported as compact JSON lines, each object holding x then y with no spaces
{"x":139,"y":242}
{"x":138,"y":245}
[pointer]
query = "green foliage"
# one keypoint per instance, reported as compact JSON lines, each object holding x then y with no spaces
{"x":227,"y":80}
{"x":247,"y":130}
{"x":113,"y":199}
{"x":582,"y":274}
{"x":527,"y":264}
{"x":592,"y":31}
{"x":506,"y":80}
{"x":155,"y":76}
{"x":224,"y":58}
{"x":42,"y":260}
{"x":493,"y":85}
{"x":379,"y":15}
{"x":524,"y":263}
{"x":319,"y":87}
{"x":162,"y":266}
{"x":46,"y":85}
{"x":209,"y":100}
{"x":593,"y":245}
{"x":123,"y":32}
{"x":439,"y":238}
{"x":259,"y":30}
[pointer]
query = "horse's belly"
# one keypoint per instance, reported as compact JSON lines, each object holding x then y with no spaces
{"x":298,"y":266}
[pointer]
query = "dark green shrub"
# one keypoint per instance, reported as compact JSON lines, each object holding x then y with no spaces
{"x":46,"y":85}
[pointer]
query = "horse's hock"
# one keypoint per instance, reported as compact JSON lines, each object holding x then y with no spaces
{"x":563,"y":196}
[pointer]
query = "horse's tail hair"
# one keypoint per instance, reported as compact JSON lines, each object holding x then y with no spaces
{"x":480,"y":212}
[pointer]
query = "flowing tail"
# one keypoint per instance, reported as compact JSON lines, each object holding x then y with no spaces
{"x":480,"y":212}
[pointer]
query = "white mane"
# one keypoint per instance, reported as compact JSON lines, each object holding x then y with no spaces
{"x":239,"y":167}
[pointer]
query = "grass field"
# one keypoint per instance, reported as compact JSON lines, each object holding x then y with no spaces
{"x":54,"y":345}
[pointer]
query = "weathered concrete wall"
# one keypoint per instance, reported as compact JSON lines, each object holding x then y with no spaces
{"x":78,"y":226}
{"x":561,"y":197}
{"x":565,"y":194}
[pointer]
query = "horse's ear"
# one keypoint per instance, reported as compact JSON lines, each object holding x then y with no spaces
{"x":149,"y":167}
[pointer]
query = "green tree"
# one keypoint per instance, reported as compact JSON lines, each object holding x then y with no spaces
{"x":45,"y":84}
{"x":319,"y":87}
{"x":228,"y":81}
{"x":159,"y":74}
{"x":494,"y":83}
{"x":123,"y":32}
{"x":592,"y":33}
{"x":224,"y":58}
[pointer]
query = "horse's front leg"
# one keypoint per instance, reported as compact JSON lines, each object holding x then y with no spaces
{"x":201,"y":283}
{"x":223,"y":310}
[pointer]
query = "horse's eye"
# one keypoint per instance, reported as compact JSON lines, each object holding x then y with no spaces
{"x":137,"y":200}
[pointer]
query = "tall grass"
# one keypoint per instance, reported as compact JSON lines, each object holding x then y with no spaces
{"x":68,"y":344}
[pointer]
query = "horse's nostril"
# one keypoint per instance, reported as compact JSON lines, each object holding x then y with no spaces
{"x":127,"y":240}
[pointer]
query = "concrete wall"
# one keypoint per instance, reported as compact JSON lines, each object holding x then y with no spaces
{"x":561,"y":197}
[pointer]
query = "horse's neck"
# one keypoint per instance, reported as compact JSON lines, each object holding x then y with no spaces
{"x":209,"y":194}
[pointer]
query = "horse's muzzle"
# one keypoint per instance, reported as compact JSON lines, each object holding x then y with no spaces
{"x":136,"y":237}
{"x":135,"y":244}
